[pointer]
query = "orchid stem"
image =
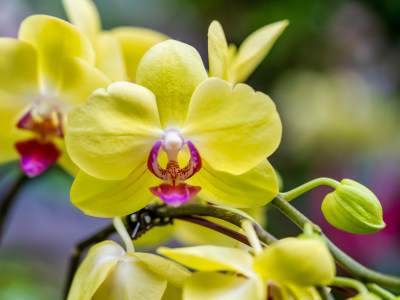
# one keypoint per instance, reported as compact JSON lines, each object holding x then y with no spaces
{"x":77,"y":253}
{"x":323,"y":292}
{"x":376,"y":289}
{"x":9,"y":198}
{"x":290,"y":195}
{"x":353,"y":267}
{"x":351,"y":283}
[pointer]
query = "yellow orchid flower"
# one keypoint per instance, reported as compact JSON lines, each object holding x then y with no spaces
{"x":226,"y":133}
{"x":118,"y":51}
{"x":236,"y":66}
{"x":43,"y":73}
{"x":288,"y":269}
{"x":109,"y":272}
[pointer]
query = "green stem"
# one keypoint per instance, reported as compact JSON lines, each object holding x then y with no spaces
{"x":9,"y":198}
{"x":376,"y":289}
{"x":290,"y":195}
{"x":198,"y":209}
{"x":353,"y":267}
{"x":351,"y":283}
{"x":323,"y":292}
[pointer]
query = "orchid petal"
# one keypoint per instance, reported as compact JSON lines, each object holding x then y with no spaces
{"x":171,"y":70}
{"x":173,"y":272}
{"x":109,"y":56}
{"x":233,"y":129}
{"x":310,"y":264}
{"x":54,"y":40}
{"x":254,"y":49}
{"x":211,"y":258}
{"x":84,"y":15}
{"x":96,"y":267}
{"x":218,"y":54}
{"x":111,"y":198}
{"x":216,"y":286}
{"x":111,"y":134}
{"x":18,"y":67}
{"x":78,"y":80}
{"x":135,"y":42}
{"x":255,"y":188}
{"x":131,"y":279}
{"x":8,"y":151}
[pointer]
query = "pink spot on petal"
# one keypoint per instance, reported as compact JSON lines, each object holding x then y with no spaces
{"x":36,"y":156}
{"x":175,"y":194}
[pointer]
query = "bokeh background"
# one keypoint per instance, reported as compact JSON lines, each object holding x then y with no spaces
{"x":335,"y":77}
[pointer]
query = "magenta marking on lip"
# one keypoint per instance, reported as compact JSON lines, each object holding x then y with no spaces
{"x":175,"y":194}
{"x":36,"y":156}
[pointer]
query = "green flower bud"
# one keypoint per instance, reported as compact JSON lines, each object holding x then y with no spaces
{"x":353,"y":208}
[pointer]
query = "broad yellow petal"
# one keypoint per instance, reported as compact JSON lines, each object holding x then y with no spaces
{"x":171,"y":70}
{"x":78,"y":80}
{"x":18,"y":67}
{"x":54,"y":40}
{"x":111,"y":134}
{"x":233,"y":129}
{"x":84,"y":15}
{"x":217,"y":51}
{"x":174,"y":273}
{"x":109,"y":56}
{"x":8,"y":151}
{"x":172,"y":293}
{"x":111,"y":198}
{"x":254,"y":49}
{"x":131,"y":279}
{"x":298,"y":261}
{"x":255,"y":188}
{"x":95,"y":268}
{"x":64,"y":160}
{"x":218,"y":286}
{"x":135,"y":42}
{"x":211,"y":258}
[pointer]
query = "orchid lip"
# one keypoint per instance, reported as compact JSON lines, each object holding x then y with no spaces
{"x":174,"y":191}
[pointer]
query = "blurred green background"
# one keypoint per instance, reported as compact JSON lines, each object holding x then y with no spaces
{"x":335,"y":77}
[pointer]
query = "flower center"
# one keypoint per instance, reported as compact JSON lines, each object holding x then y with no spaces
{"x":45,"y":120}
{"x":174,"y":191}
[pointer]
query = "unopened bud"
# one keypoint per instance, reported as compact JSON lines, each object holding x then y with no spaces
{"x":353,"y":208}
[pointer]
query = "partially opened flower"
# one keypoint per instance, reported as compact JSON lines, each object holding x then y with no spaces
{"x":236,"y":66}
{"x":108,"y":272}
{"x":225,"y":133}
{"x":288,"y":269}
{"x":43,"y":73}
{"x":118,"y":51}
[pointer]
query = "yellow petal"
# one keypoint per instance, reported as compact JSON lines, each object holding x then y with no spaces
{"x":18,"y":67}
{"x":8,"y":151}
{"x":217,"y":51}
{"x":131,"y":279}
{"x":218,"y":286}
{"x":254,"y":49}
{"x":233,"y":129}
{"x":64,"y":160}
{"x":109,"y":57}
{"x":298,"y":261}
{"x":171,"y":70}
{"x":211,"y":258}
{"x":95,"y":268}
{"x":255,"y":188}
{"x":111,"y":134}
{"x":54,"y":40}
{"x":78,"y":80}
{"x":159,"y":235}
{"x":172,"y":293}
{"x":84,"y":15}
{"x":135,"y":42}
{"x":111,"y":198}
{"x":174,"y":273}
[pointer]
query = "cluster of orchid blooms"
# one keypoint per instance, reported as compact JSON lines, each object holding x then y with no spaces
{"x":136,"y":118}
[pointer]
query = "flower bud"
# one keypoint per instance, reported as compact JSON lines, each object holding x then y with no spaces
{"x":353,"y":208}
